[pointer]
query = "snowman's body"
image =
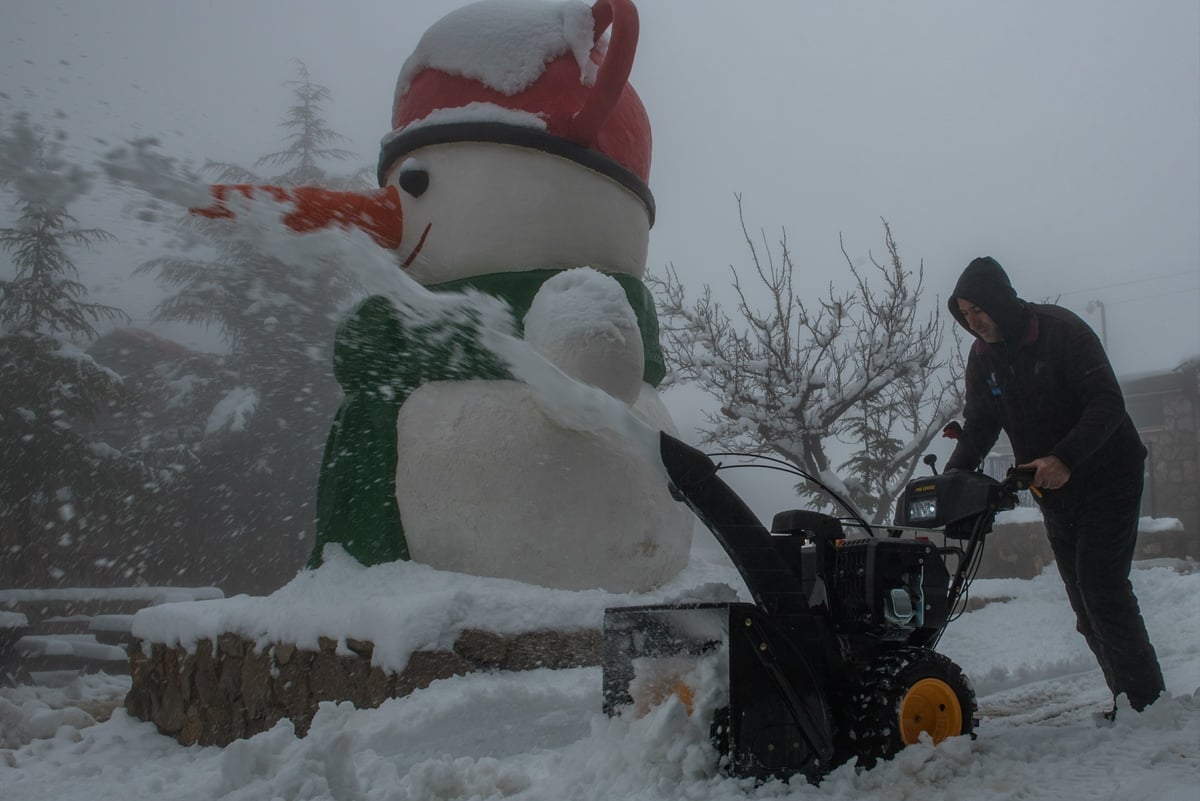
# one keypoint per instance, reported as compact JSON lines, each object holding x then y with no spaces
{"x":489,"y":485}
{"x":519,"y":157}
{"x":486,"y":482}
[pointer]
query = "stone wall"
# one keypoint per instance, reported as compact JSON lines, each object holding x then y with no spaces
{"x":1175,"y":462}
{"x":1021,"y":550}
{"x":221,"y":692}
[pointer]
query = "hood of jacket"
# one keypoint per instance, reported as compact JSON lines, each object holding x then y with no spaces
{"x":985,"y":284}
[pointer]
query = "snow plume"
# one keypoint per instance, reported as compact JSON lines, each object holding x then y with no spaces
{"x":30,"y":162}
{"x":141,"y":165}
{"x":258,"y":222}
{"x":233,"y":411}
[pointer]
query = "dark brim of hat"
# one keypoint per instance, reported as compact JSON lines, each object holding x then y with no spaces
{"x":396,"y":145}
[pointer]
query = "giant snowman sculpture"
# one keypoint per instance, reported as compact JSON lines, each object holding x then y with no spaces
{"x":517,"y":166}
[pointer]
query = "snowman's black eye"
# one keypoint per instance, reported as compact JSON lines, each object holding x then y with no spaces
{"x":414,"y":180}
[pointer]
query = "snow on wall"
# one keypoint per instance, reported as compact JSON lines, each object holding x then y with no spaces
{"x":402,"y":607}
{"x":154,"y":595}
{"x":1032,"y":514}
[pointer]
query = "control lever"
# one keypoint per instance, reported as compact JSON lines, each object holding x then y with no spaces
{"x":1021,"y":478}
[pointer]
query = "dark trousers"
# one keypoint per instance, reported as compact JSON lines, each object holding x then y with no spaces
{"x":1093,"y":541}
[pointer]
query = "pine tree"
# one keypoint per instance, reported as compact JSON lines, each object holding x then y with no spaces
{"x":310,"y":139}
{"x":308,"y":143}
{"x":261,"y":451}
{"x":57,"y":478}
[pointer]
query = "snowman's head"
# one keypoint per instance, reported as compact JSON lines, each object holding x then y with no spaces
{"x":517,"y":142}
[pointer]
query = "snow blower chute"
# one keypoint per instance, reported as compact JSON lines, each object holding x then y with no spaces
{"x":834,"y":660}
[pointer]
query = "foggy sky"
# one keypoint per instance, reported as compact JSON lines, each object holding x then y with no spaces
{"x":1062,"y":138}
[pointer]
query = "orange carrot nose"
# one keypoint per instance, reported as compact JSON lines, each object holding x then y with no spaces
{"x":376,"y":212}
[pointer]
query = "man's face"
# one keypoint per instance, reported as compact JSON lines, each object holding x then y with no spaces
{"x":979,"y":322}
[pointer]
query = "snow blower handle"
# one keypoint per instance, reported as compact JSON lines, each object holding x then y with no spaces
{"x":1021,"y":478}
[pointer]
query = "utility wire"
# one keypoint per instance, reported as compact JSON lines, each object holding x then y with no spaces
{"x":1150,"y":297}
{"x":1129,"y":283}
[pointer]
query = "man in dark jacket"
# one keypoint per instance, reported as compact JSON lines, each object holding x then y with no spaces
{"x":1040,"y":373}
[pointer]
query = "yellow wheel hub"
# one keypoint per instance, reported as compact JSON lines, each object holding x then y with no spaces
{"x":930,"y":706}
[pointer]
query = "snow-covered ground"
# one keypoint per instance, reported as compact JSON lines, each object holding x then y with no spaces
{"x":542,"y":735}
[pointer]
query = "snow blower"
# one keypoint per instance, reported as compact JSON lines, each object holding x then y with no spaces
{"x":834,"y":660}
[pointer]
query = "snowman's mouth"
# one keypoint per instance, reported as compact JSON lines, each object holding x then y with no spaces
{"x":420,"y":243}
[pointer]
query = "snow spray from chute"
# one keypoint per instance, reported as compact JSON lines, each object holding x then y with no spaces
{"x":377,"y":213}
{"x":306,"y":228}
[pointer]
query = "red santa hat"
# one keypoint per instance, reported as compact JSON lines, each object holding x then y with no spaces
{"x":531,"y":74}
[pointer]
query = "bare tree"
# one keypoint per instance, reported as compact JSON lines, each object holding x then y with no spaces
{"x":795,"y":377}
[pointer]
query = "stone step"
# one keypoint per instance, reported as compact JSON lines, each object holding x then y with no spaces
{"x":71,"y":602}
{"x":79,"y":652}
{"x":113,"y":630}
{"x":72,"y":624}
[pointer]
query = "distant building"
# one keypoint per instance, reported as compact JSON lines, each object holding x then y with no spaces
{"x":1165,"y":407}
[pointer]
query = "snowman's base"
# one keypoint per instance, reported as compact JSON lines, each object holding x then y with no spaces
{"x":220,"y":692}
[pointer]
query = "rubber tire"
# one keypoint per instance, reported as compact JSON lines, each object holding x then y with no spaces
{"x":927,"y":682}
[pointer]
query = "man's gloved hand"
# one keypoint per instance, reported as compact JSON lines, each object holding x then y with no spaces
{"x":1050,"y":472}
